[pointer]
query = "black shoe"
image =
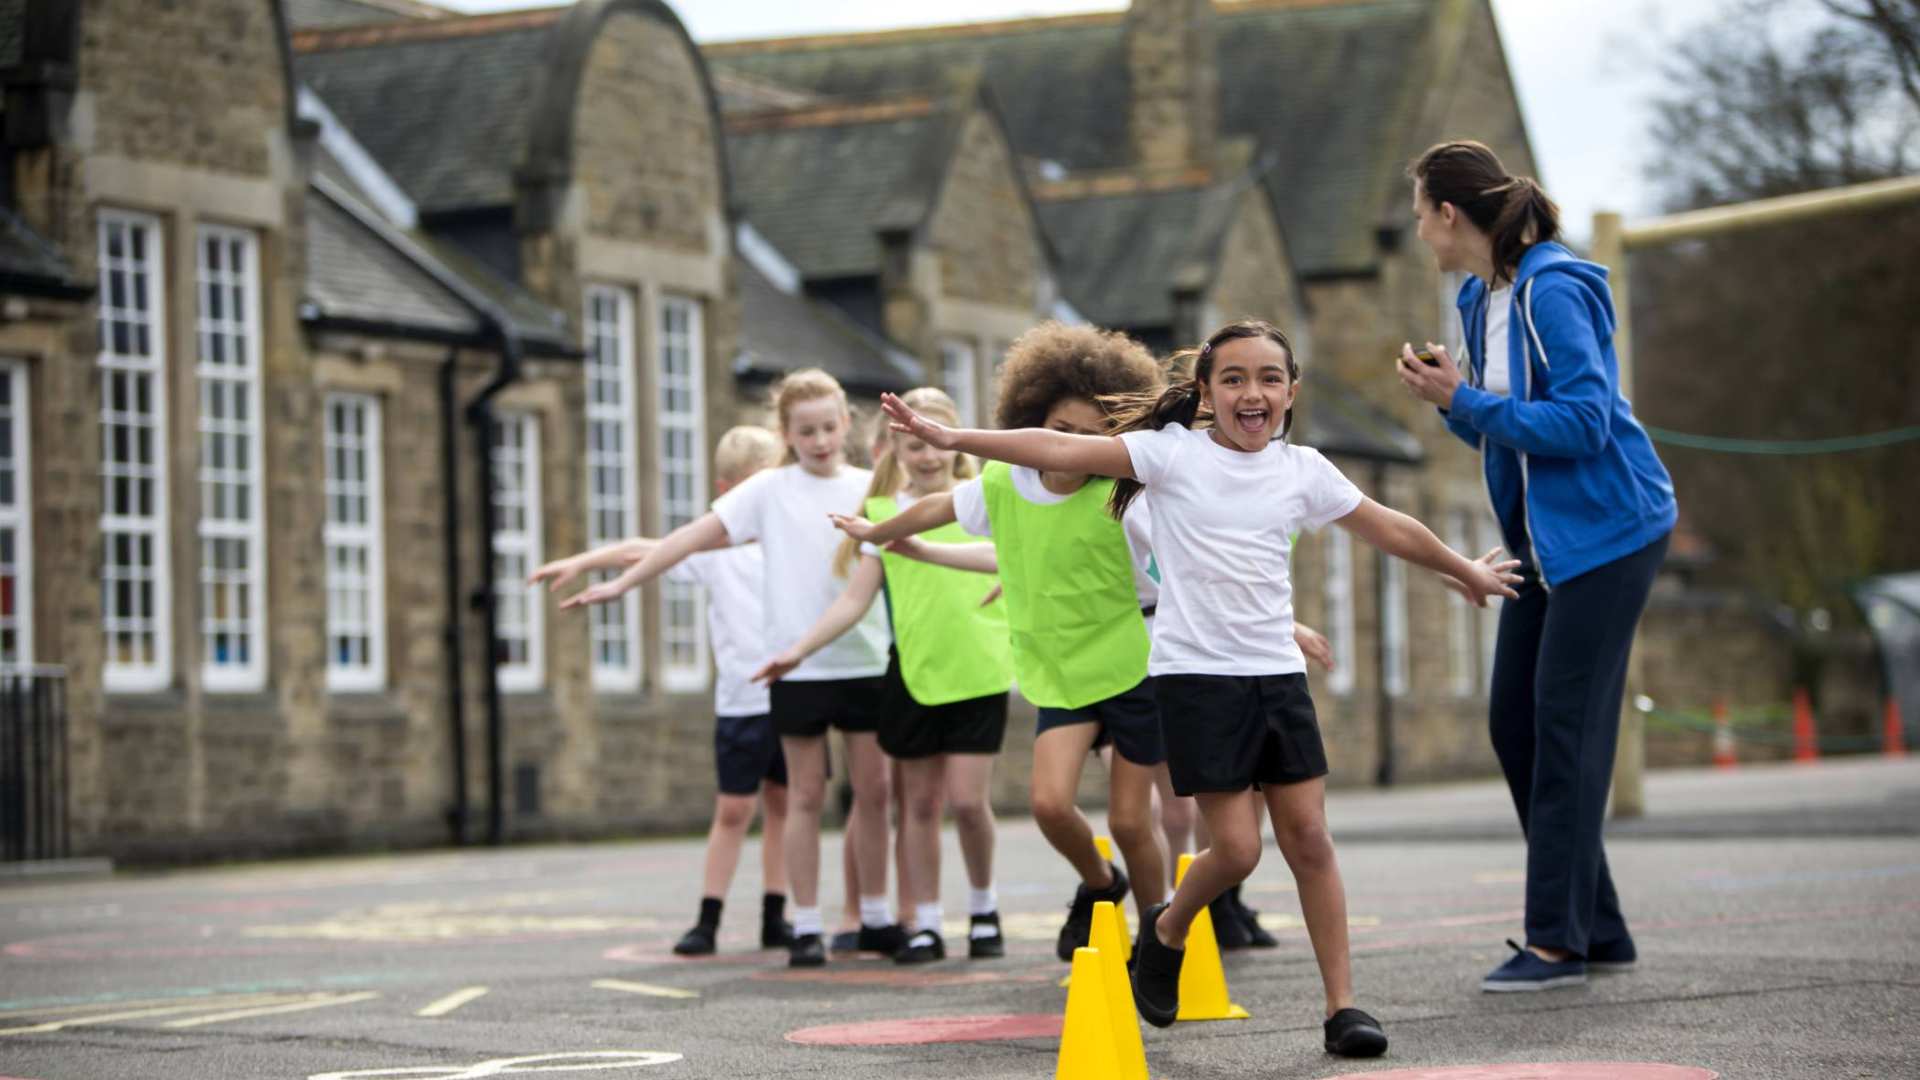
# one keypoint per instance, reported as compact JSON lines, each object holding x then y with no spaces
{"x":696,"y":942}
{"x":1352,"y":1033}
{"x":806,"y":951}
{"x":887,"y":939}
{"x":846,"y":941}
{"x":775,"y":934}
{"x":1257,"y":936}
{"x":1156,"y":973}
{"x":1229,"y":929}
{"x":924,"y":947}
{"x":983,"y":946}
{"x":1079,"y":926}
{"x":1613,"y":957}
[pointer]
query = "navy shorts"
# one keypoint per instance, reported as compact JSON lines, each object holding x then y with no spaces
{"x":1129,"y":720}
{"x":1233,"y":732}
{"x":746,"y":751}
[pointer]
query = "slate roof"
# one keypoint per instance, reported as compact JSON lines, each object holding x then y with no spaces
{"x":30,"y":264}
{"x":443,"y":105}
{"x":822,"y":184}
{"x":782,"y":332}
{"x":1121,"y":256}
{"x":1323,"y":83}
{"x":326,"y":14}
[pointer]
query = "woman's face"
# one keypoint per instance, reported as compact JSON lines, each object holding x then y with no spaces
{"x":1437,"y":226}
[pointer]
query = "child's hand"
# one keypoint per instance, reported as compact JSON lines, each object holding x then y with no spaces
{"x":904,"y":420}
{"x":1494,"y":577}
{"x":1314,"y":644}
{"x":598,"y":594}
{"x":911,"y":546}
{"x":853,"y":525}
{"x":557,"y":573}
{"x":992,"y":595}
{"x":777,"y":668}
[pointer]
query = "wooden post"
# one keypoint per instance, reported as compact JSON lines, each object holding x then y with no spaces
{"x":1630,"y":759}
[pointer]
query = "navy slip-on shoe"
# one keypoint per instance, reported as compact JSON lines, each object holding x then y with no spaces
{"x":1526,"y":972}
{"x":1612,"y":958}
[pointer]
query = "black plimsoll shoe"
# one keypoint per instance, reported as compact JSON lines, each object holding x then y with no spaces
{"x":984,"y":940}
{"x":1352,"y":1033}
{"x":775,"y":933}
{"x":846,"y":941}
{"x":888,"y":939}
{"x":1229,"y":929}
{"x":1079,"y":925}
{"x":924,"y":947}
{"x":806,"y":951}
{"x":1257,"y":936}
{"x":1156,"y":973}
{"x":698,"y":941}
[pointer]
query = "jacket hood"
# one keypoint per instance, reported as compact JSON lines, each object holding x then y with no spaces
{"x":1591,"y":277}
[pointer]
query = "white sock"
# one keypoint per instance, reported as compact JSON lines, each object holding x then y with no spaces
{"x":873,"y":911}
{"x":983,"y":901}
{"x":928,"y":916}
{"x":806,"y":920}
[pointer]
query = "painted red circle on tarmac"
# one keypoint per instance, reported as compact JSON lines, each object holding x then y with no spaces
{"x":932,"y":1029}
{"x":1555,"y":1070}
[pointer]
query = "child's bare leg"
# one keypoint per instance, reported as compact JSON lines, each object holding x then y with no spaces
{"x":1177,"y":816}
{"x":969,"y":781}
{"x":867,"y":767}
{"x":1233,"y":822}
{"x":1058,"y":755}
{"x":728,"y":833}
{"x":806,"y":795}
{"x":1135,"y":832}
{"x":1300,"y":826}
{"x":773,"y":838}
{"x":921,"y":791}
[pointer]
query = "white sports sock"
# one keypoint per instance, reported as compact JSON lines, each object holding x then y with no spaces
{"x":928,"y":916}
{"x":873,"y":911}
{"x":983,"y":901}
{"x":806,"y":920}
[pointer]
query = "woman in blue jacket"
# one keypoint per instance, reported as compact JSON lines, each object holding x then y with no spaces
{"x":1582,"y":501}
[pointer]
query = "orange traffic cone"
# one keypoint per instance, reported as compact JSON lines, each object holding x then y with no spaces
{"x":1724,"y":754}
{"x":1894,"y":739}
{"x":1805,"y":748}
{"x":1203,"y":980}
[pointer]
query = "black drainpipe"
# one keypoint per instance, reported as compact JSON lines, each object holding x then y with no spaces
{"x":458,"y":815}
{"x":480,"y":414}
{"x":1383,"y":776}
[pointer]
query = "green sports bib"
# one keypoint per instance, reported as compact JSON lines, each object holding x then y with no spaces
{"x":951,"y":648}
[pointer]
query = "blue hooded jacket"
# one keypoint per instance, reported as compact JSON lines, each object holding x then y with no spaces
{"x":1563,"y":451}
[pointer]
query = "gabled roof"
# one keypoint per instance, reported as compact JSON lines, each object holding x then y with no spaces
{"x":823,"y":183}
{"x":30,"y":264}
{"x":782,"y":331}
{"x":1123,"y":256}
{"x":325,"y":14}
{"x":1322,"y":82}
{"x":443,"y":104}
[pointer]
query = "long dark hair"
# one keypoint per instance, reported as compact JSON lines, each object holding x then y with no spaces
{"x":1180,"y":403}
{"x":1513,"y":210}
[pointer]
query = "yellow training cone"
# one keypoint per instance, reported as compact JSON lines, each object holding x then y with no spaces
{"x":1105,"y":846}
{"x":1087,"y":1043}
{"x":1127,"y":1047}
{"x":1203,"y":981}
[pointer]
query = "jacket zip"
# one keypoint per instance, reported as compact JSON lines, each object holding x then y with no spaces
{"x":1526,"y":479}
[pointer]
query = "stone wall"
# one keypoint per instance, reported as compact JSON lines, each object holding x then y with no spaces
{"x":983,"y":229}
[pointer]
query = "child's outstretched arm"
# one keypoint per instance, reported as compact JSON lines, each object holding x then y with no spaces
{"x":1405,"y":538}
{"x":927,"y":513}
{"x":1036,"y":448}
{"x":615,"y":556}
{"x":703,"y":533}
{"x":980,"y":558}
{"x":846,"y":609}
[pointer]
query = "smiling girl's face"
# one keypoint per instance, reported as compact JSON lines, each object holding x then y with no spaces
{"x":816,"y":431}
{"x":928,"y":469}
{"x":1250,"y":390}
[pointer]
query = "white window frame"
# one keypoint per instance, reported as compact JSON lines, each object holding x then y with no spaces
{"x":1340,"y":624}
{"x":367,"y":536}
{"x":609,"y":337}
{"x":1462,"y":670}
{"x":959,"y":377}
{"x":155,"y":672}
{"x":1490,"y":615}
{"x":240,"y":330}
{"x":522,"y":543}
{"x":691,"y":673}
{"x":16,"y":511}
{"x":1393,"y":628}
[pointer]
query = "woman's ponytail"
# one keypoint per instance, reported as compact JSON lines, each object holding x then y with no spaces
{"x":1513,"y":211}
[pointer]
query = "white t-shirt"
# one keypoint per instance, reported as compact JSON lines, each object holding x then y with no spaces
{"x":1222,"y":520}
{"x":970,"y":509}
{"x":734,"y":578}
{"x":785,"y":509}
{"x":1494,"y":364}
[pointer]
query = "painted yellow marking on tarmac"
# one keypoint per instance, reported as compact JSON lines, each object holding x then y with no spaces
{"x":649,"y":989}
{"x":209,"y":1001}
{"x":107,"y":1018}
{"x":326,"y":1001}
{"x":453,"y":1001}
{"x":1279,"y":920}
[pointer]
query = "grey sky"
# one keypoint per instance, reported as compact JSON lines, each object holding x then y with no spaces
{"x":1583,"y":69}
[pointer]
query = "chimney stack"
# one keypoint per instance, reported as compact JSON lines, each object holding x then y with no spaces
{"x":1174,"y":111}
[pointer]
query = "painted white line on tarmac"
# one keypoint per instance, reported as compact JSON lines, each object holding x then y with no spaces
{"x":272,"y":1010}
{"x":106,"y":1018}
{"x":453,"y":1001}
{"x":648,"y":989}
